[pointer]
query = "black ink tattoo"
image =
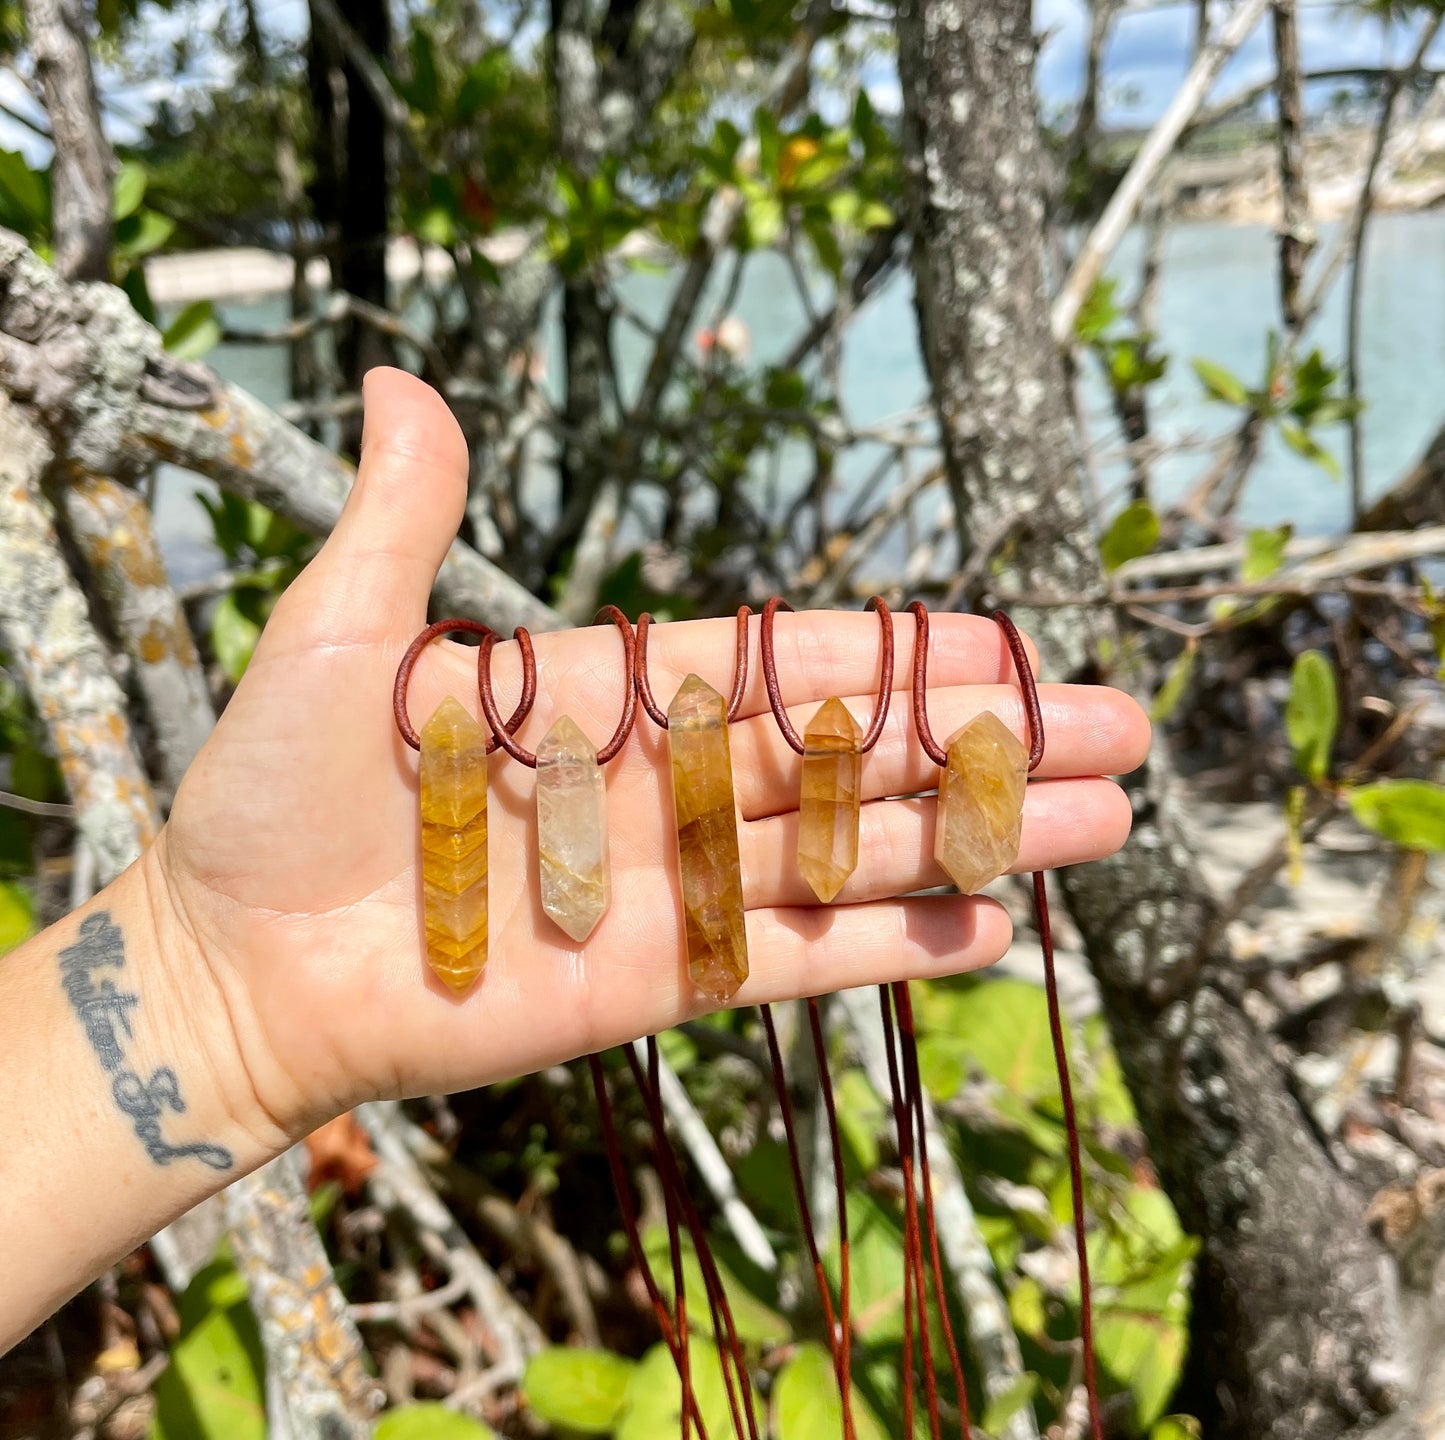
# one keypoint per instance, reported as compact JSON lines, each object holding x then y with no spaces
{"x":105,"y":1012}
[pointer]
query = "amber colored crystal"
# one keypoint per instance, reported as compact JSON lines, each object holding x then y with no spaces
{"x":572,"y":850}
{"x":454,"y":843}
{"x":829,"y":806}
{"x":980,"y":803}
{"x":707,"y":839}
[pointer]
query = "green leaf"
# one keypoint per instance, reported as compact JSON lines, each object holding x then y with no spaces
{"x":422,"y":89}
{"x":24,"y":196}
{"x":430,"y":1421}
{"x":1220,"y":383}
{"x":128,"y":191}
{"x":765,"y":221}
{"x":17,"y":915}
{"x":1409,"y":812}
{"x":1004,"y":1026}
{"x":1135,"y":532}
{"x":17,"y":855}
{"x":1303,"y":443}
{"x":581,"y":1389}
{"x":756,"y":1322}
{"x":1176,"y":1427}
{"x":233,"y":637}
{"x":483,"y":83}
{"x":652,"y":1408}
{"x":214,"y":1385}
{"x":1312,"y":714}
{"x":806,"y":1403}
{"x":138,"y":235}
{"x":194,"y":332}
{"x":1176,"y":683}
{"x":1098,"y":312}
{"x":1008,"y":1402}
{"x":1264,"y":553}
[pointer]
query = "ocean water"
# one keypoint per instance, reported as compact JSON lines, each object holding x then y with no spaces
{"x":1217,"y":300}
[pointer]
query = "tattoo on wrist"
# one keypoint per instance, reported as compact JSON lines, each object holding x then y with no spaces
{"x":105,"y":1012}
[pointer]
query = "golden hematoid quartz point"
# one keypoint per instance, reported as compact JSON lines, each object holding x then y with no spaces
{"x":829,"y":807}
{"x":454,"y":843}
{"x":707,"y":839}
{"x":573,"y":859}
{"x":980,"y":803}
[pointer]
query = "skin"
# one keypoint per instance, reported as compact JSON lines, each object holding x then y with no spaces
{"x":269,"y":944}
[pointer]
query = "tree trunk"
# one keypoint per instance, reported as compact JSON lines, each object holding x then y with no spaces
{"x":351,"y":190}
{"x":80,"y":177}
{"x":1294,"y":1319}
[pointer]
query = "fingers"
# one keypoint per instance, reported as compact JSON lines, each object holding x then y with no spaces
{"x":826,"y":652}
{"x":373,"y":576}
{"x":815,"y":950}
{"x":1066,"y":822}
{"x":1088,"y":729}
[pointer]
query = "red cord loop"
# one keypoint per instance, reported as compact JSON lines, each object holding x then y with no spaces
{"x":655,"y":712}
{"x":472,"y":627}
{"x":775,"y":690}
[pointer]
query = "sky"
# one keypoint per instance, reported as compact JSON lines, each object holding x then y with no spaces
{"x":1147,"y":57}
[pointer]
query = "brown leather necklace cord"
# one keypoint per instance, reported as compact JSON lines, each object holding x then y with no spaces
{"x":775,"y":690}
{"x":671,"y":1338}
{"x":724,"y":1327}
{"x":1028,"y":686}
{"x":472,"y":627}
{"x":503,"y":734}
{"x":931,"y":747}
{"x":655,"y":712}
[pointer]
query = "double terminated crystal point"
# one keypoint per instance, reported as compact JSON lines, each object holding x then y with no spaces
{"x":572,"y":830}
{"x":980,"y":803}
{"x":829,"y":806}
{"x":707,"y":839}
{"x":454,"y":843}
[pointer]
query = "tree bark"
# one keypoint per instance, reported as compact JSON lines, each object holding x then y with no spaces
{"x":1295,"y":1324}
{"x":80,"y":175}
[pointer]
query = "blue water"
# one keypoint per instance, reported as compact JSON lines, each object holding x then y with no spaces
{"x":1217,"y":300}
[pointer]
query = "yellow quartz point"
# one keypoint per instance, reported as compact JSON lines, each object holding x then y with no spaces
{"x":454,"y":843}
{"x":980,"y":803}
{"x":707,"y":839}
{"x":572,"y":850}
{"x":828,"y":809}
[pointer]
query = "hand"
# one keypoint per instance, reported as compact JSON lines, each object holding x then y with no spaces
{"x":291,"y":856}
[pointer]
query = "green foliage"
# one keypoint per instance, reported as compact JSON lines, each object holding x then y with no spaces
{"x":430,"y":1421}
{"x":1128,"y":360}
{"x":584,"y":1390}
{"x":1133,"y":532}
{"x":652,"y":1406}
{"x":1409,"y":812}
{"x":1297,"y":399}
{"x":756,"y":1322}
{"x":1175,"y":686}
{"x":265,"y":553}
{"x":194,"y":332}
{"x":17,"y":915}
{"x":806,"y":1402}
{"x":1312,"y":714}
{"x":1264,"y":553}
{"x":214,"y":1385}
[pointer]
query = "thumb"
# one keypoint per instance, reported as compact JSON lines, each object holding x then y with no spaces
{"x":373,"y":576}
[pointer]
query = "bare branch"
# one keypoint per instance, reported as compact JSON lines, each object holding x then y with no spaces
{"x":80,"y":178}
{"x":111,"y":402}
{"x":1124,"y":204}
{"x":315,"y":1366}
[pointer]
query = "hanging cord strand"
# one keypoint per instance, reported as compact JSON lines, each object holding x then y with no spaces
{"x":905,"y":1162}
{"x":634,"y":1236}
{"x":800,"y":1187}
{"x":724,"y":1328}
{"x":840,"y":1184}
{"x":1028,"y":686}
{"x":674,"y":1246}
{"x":913,"y":1089}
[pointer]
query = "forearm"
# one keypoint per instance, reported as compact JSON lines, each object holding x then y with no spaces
{"x":120,"y":1108}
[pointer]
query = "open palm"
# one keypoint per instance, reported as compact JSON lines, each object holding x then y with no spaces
{"x":293,"y":850}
